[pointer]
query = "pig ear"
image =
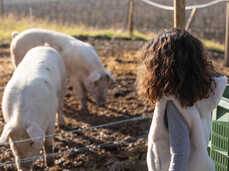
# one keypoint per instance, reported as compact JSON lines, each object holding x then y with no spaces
{"x":6,"y":133}
{"x":94,"y":76}
{"x":34,"y":130}
{"x":110,"y":76}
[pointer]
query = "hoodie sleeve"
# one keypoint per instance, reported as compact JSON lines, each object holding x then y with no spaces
{"x":206,"y":105}
{"x":179,"y":138}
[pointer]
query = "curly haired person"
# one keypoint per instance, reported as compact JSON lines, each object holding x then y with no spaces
{"x":175,"y":76}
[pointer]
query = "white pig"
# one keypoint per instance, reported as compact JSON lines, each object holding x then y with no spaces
{"x":83,"y":65}
{"x":31,"y":99}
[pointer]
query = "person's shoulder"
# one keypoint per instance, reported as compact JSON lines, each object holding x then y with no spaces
{"x":221,"y":81}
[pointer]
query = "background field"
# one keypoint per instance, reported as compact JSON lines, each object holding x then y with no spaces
{"x":209,"y":23}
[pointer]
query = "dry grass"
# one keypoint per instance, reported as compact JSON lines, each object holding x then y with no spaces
{"x":11,"y":23}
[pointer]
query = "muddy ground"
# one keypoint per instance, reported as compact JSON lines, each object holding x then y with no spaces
{"x":120,"y":57}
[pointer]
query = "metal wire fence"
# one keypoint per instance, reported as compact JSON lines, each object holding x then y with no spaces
{"x":82,"y":149}
{"x":187,"y":7}
{"x":75,"y":150}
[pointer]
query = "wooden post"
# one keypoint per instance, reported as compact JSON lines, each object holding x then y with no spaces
{"x":2,"y":10}
{"x":226,"y":58}
{"x":190,"y":18}
{"x":179,"y":14}
{"x":130,"y":17}
{"x":31,"y":16}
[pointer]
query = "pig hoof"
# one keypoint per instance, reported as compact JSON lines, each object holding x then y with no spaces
{"x":61,"y":123}
{"x":85,"y":111}
{"x":50,"y":162}
{"x":62,"y":126}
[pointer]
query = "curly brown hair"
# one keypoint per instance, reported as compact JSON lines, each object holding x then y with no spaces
{"x":175,"y":63}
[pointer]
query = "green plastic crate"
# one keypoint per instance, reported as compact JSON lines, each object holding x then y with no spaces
{"x":219,"y":145}
{"x":220,"y":160}
{"x":221,"y":112}
{"x":226,"y":91}
{"x":220,"y":136}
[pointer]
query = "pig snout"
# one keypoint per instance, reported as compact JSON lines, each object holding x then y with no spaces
{"x":102,"y":105}
{"x":101,"y":102}
{"x":25,"y":166}
{"x":25,"y":169}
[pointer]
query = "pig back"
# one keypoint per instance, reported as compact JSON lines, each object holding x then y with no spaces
{"x":35,"y":86}
{"x":31,"y":38}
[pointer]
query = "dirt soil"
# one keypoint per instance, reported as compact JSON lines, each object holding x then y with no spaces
{"x":120,"y":57}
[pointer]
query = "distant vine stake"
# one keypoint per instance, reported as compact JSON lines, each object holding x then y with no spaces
{"x":2,"y":10}
{"x":227,"y":37}
{"x":190,"y":19}
{"x":31,"y":16}
{"x":130,"y":17}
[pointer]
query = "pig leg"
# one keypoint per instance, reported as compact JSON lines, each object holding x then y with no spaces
{"x":48,"y":147}
{"x":60,"y":115}
{"x":82,"y":95}
{"x":83,"y":103}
